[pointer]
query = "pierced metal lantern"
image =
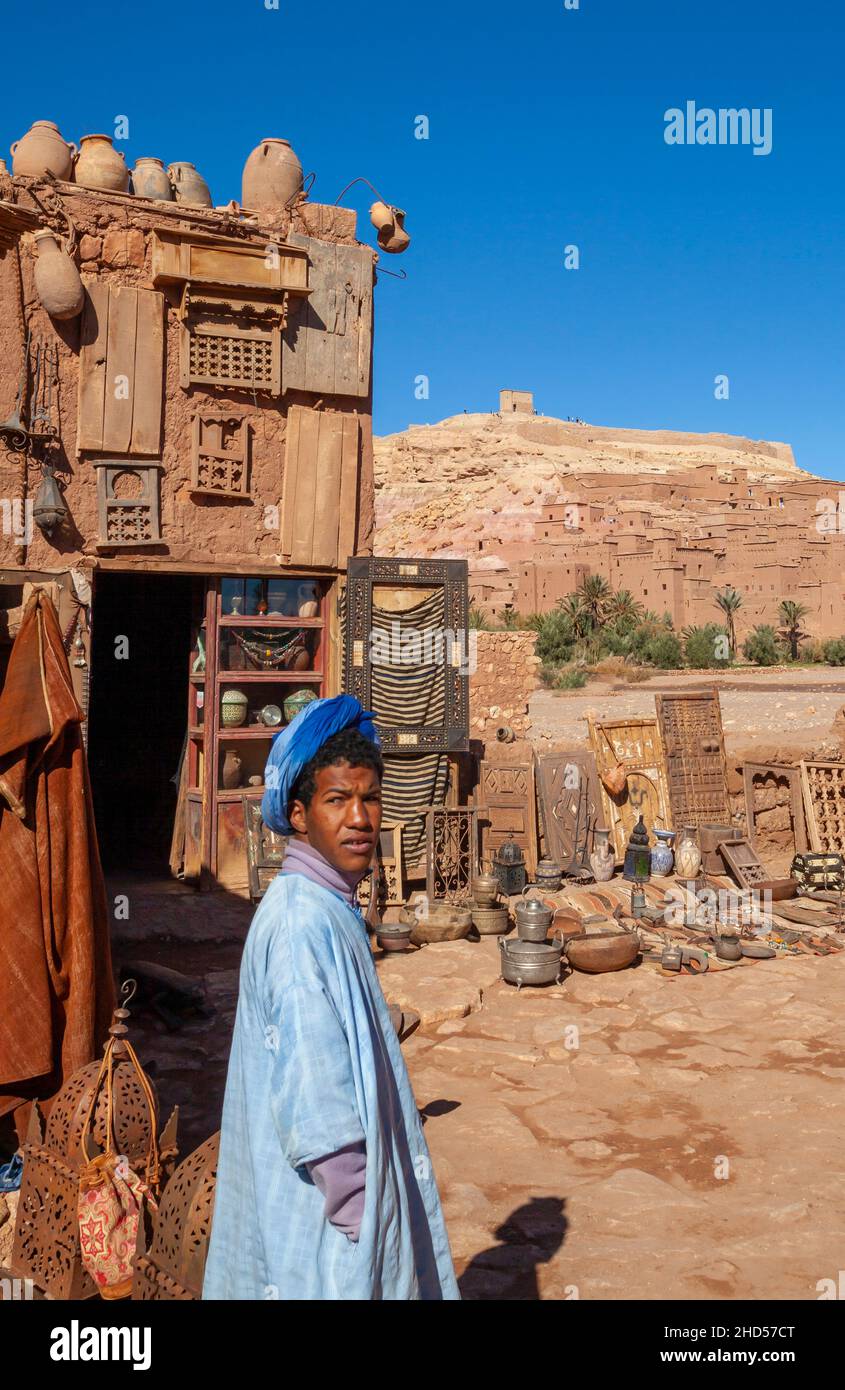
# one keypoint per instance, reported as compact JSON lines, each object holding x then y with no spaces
{"x":174,"y":1265}
{"x":46,"y":1248}
{"x":509,"y":867}
{"x":638,"y":855}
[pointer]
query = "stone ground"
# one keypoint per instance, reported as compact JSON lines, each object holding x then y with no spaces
{"x":778,"y":709}
{"x":619,"y":1136}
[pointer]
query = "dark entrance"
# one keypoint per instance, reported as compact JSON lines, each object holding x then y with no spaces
{"x":140,"y":660}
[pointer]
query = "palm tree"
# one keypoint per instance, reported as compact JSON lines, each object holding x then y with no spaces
{"x":594,"y":593}
{"x":730,"y":601}
{"x":791,"y":615}
{"x":576,"y":613}
{"x":623,"y":609}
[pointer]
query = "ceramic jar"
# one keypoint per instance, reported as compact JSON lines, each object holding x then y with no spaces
{"x":149,"y":179}
{"x":43,"y":151}
{"x":307,"y":600}
{"x":602,"y":859}
{"x":688,"y":855}
{"x":549,"y":876}
{"x":100,"y":165}
{"x":188,"y":185}
{"x":231,"y":776}
{"x":390,"y":225}
{"x":57,"y":278}
{"x":233,"y":708}
{"x":296,"y":702}
{"x":271,"y":177}
{"x":662,"y":858}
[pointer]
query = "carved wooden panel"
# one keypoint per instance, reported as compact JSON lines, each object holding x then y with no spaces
{"x":220,"y":455}
{"x":694,"y":747}
{"x":774,"y":809}
{"x":824,"y":805}
{"x":507,"y":807}
{"x":211,"y":260}
{"x":328,"y":338}
{"x":570,"y":800}
{"x":128,"y":506}
{"x":635,"y":744}
{"x":121,"y":369}
{"x":320,"y":499}
{"x":230,"y":341}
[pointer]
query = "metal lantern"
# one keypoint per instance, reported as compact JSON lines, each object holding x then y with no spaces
{"x":50,"y":509}
{"x":638,"y":855}
{"x":509,"y":867}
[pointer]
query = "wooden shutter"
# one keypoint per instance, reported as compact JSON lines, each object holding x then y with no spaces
{"x":507,"y":807}
{"x":327,"y":344}
{"x":122,"y":336}
{"x":320,"y":501}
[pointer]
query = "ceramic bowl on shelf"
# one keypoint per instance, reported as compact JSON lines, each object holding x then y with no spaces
{"x":233,"y":707}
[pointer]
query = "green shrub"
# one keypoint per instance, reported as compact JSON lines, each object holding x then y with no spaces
{"x":555,"y":638}
{"x":664,"y":651}
{"x":707,"y":647}
{"x":833,"y":651}
{"x":571,"y":678}
{"x":762,"y":647}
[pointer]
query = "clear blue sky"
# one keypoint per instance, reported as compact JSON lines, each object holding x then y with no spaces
{"x":546,"y":129}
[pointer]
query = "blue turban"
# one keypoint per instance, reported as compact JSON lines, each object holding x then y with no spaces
{"x":299,"y":741}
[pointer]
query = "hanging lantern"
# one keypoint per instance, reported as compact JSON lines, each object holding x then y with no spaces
{"x":638,"y":855}
{"x":50,"y":509}
{"x":509,"y":867}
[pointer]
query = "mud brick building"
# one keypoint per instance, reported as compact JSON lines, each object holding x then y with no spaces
{"x":188,"y":461}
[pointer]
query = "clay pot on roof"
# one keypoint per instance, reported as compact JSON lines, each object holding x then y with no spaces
{"x":271,"y":177}
{"x":43,"y":151}
{"x":188,"y":185}
{"x":100,"y":165}
{"x":150,"y":179}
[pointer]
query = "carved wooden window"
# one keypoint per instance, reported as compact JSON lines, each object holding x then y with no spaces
{"x":220,"y":455}
{"x":128,"y":505}
{"x":231,"y":342}
{"x":410,"y":665}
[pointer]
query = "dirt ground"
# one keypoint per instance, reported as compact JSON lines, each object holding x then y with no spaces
{"x":782,"y":710}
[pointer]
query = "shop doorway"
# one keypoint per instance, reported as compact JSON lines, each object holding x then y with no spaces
{"x":141,"y":635}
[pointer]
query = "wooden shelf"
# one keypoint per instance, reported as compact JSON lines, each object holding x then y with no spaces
{"x":237,"y":793}
{"x":265,"y":620}
{"x":288,"y":677}
{"x":248,"y":732}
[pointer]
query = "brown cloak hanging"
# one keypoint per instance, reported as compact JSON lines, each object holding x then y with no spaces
{"x":56,"y":988}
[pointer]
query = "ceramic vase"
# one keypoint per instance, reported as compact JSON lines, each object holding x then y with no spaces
{"x":272,"y":176}
{"x":150,"y":180}
{"x":662,"y":858}
{"x":391,"y":234}
{"x":100,"y":165}
{"x":307,"y":600}
{"x":188,"y":185}
{"x":233,"y":707}
{"x":43,"y":151}
{"x":687,"y":855}
{"x":602,"y":859}
{"x":231,"y":770}
{"x":57,"y":278}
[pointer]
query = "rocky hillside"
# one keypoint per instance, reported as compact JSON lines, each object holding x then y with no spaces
{"x":441,"y":489}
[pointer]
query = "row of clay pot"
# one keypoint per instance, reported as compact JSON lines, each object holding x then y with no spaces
{"x":272,"y":174}
{"x":98,"y":164}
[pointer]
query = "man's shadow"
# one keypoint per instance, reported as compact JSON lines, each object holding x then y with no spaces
{"x":529,"y":1237}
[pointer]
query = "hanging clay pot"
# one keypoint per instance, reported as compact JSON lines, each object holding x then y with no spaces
{"x":392,"y":235}
{"x":231,"y":770}
{"x":149,"y":179}
{"x":57,"y":278}
{"x":188,"y":185}
{"x":100,"y":165}
{"x":381,"y":216}
{"x":271,"y":177}
{"x":43,"y":151}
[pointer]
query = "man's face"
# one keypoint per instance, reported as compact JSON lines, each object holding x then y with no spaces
{"x":343,"y":818}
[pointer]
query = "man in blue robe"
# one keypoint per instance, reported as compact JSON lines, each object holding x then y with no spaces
{"x":325,"y":1188}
